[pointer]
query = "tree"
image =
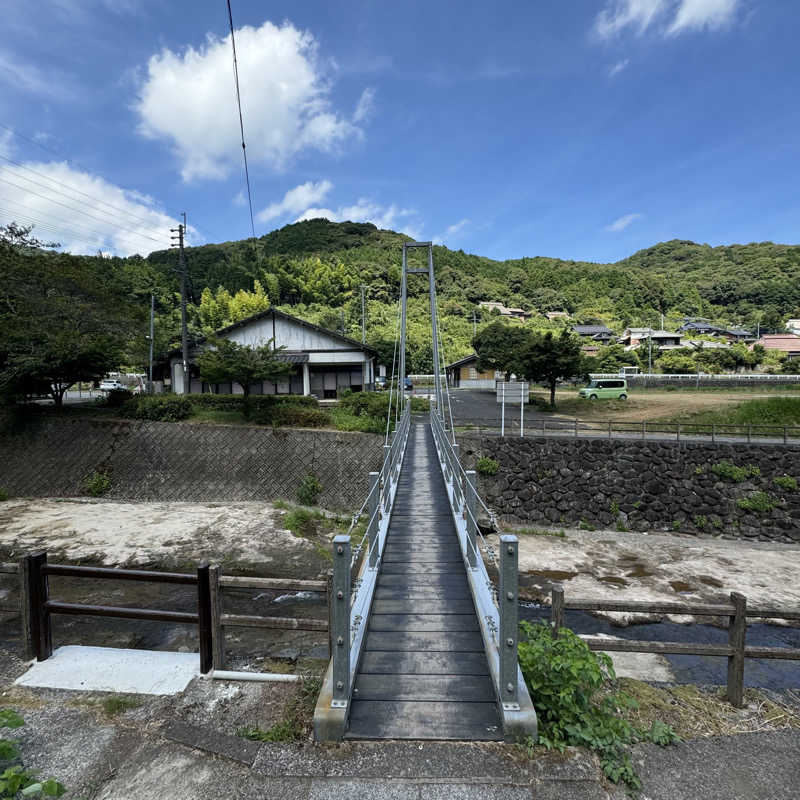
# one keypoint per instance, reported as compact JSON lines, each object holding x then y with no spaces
{"x":677,"y":362}
{"x":498,"y":346}
{"x":548,"y":359}
{"x":226,"y":361}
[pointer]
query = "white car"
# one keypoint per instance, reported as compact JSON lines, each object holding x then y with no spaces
{"x":109,"y":384}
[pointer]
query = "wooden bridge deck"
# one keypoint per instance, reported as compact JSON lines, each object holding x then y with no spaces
{"x":423,"y":673}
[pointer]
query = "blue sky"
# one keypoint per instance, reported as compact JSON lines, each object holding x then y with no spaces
{"x":582,"y":129}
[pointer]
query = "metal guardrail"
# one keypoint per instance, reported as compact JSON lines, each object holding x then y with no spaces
{"x":351,"y":597}
{"x":702,"y":378}
{"x":498,"y":611}
{"x":622,"y":429}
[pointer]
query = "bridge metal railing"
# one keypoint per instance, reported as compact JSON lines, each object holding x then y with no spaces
{"x":355,"y":573}
{"x":497,"y":607}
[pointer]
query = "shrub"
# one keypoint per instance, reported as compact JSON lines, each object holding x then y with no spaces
{"x":567,"y":681}
{"x":301,"y":417}
{"x":700,"y":521}
{"x":729,"y":471}
{"x":757,"y":501}
{"x":309,"y":490}
{"x":97,"y":484}
{"x":159,"y":407}
{"x":258,"y":402}
{"x":786,"y":482}
{"x":116,"y":398}
{"x":3,"y":495}
{"x":487,"y":466}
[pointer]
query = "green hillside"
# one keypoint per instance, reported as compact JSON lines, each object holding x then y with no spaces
{"x":314,"y":269}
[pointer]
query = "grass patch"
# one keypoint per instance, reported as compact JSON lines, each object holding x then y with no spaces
{"x":297,"y":717}
{"x":487,"y":466}
{"x":538,"y":532}
{"x":772,"y":412}
{"x":757,"y":501}
{"x":785,"y":482}
{"x":119,"y":704}
{"x":728,"y":471}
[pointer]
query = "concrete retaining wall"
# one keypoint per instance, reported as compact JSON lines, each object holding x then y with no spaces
{"x":638,"y":485}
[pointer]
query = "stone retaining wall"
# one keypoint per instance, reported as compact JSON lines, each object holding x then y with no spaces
{"x":185,"y":462}
{"x":638,"y":485}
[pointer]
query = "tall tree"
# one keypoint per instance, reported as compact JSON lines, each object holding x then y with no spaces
{"x":548,"y":358}
{"x":498,"y":346}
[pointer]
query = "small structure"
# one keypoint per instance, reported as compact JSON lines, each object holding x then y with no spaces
{"x":598,"y":333}
{"x":793,"y":326}
{"x":737,"y":335}
{"x":463,"y":374}
{"x":665,"y":340}
{"x":699,"y":327}
{"x":554,"y":315}
{"x":513,"y":313}
{"x":324,"y":361}
{"x":785,"y":342}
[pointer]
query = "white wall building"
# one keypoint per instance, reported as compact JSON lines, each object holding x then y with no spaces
{"x":324,"y":361}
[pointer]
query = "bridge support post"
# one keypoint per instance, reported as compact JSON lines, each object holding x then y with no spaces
{"x":509,"y":624}
{"x":374,"y":514}
{"x":388,"y":477}
{"x":471,"y":507}
{"x":455,"y":476}
{"x":341,"y":622}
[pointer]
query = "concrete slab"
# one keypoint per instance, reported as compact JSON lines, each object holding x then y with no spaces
{"x":107,"y":669}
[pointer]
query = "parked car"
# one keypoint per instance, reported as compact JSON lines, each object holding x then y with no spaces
{"x":407,"y":384}
{"x":381,"y":382}
{"x":109,"y":384}
{"x":616,"y":389}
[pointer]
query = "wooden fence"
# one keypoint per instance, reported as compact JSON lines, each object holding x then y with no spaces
{"x":36,"y":606}
{"x":736,"y":651}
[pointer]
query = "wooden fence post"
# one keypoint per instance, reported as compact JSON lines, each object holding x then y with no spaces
{"x":204,"y":619}
{"x":557,"y":607}
{"x":26,"y":612}
{"x":737,"y":631}
{"x":40,"y":628}
{"x":217,"y":631}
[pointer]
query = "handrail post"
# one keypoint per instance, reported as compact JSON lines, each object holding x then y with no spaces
{"x":387,"y":474}
{"x":737,"y":633}
{"x":372,"y":511}
{"x":509,"y":624}
{"x":557,"y":608}
{"x":204,"y":618}
{"x":456,"y":476}
{"x":341,"y":621}
{"x":217,"y":630}
{"x":40,"y":628}
{"x":471,"y":505}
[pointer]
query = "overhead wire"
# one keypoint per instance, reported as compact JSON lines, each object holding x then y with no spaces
{"x":391,"y":381}
{"x":241,"y":120}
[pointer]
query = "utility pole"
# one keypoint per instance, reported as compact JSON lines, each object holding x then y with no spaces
{"x":650,"y":352}
{"x":152,"y":330}
{"x":474,"y":325}
{"x":363,"y":314}
{"x":181,"y":229}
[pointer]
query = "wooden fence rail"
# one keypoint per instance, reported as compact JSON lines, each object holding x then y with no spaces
{"x":36,"y":607}
{"x":736,"y":651}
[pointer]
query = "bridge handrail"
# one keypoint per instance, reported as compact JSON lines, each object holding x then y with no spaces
{"x":497,"y":611}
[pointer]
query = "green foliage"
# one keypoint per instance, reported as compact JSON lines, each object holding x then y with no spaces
{"x":159,"y":407}
{"x":98,"y":483}
{"x":300,"y":417}
{"x":676,"y":524}
{"x":786,"y":482}
{"x":309,"y":490}
{"x":3,"y":495}
{"x":15,"y":780}
{"x":116,"y":398}
{"x":769,"y":411}
{"x":487,"y":466}
{"x":587,"y":526}
{"x":700,"y":521}
{"x":614,"y":508}
{"x":730,"y":472}
{"x":757,"y":501}
{"x":119,"y":704}
{"x":568,"y":685}
{"x":296,"y":722}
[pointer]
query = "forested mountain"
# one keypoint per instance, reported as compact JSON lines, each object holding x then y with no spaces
{"x":314,"y":269}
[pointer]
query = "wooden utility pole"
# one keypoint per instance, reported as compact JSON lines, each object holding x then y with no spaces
{"x":152,"y":330}
{"x":181,"y":230}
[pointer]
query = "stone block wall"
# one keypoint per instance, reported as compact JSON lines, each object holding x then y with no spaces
{"x":638,"y":485}
{"x":184,"y":462}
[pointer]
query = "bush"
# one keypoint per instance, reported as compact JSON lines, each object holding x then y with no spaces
{"x":259,"y":403}
{"x":730,"y":472}
{"x":309,"y":490}
{"x":300,"y":417}
{"x":487,"y":466}
{"x":567,"y":682}
{"x":116,"y":398}
{"x":786,"y":482}
{"x":97,"y":484}
{"x":758,"y":501}
{"x":3,"y":495}
{"x":159,"y":407}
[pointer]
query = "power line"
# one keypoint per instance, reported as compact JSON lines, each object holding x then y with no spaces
{"x":241,"y":122}
{"x":71,"y":188}
{"x":72,"y":208}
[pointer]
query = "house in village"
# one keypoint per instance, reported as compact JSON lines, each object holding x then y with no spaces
{"x":323,"y":361}
{"x":463,"y":374}
{"x":665,"y":340}
{"x":599,"y":334}
{"x":512,"y":313}
{"x":785,"y":342}
{"x":793,"y":326}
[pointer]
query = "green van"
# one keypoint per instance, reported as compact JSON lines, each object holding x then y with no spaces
{"x":605,"y":389}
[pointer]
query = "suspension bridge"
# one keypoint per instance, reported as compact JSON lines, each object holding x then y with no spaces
{"x":423,"y":641}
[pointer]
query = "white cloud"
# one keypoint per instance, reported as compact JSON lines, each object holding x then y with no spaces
{"x":365,"y":105}
{"x":187,"y":99}
{"x":30,"y":79}
{"x":388,"y":217}
{"x":239,"y":199}
{"x":620,"y":224}
{"x":84,"y":212}
{"x":699,"y":14}
{"x":5,"y":143}
{"x":618,"y":67}
{"x":297,"y":199}
{"x":452,"y":231}
{"x":678,"y":16}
